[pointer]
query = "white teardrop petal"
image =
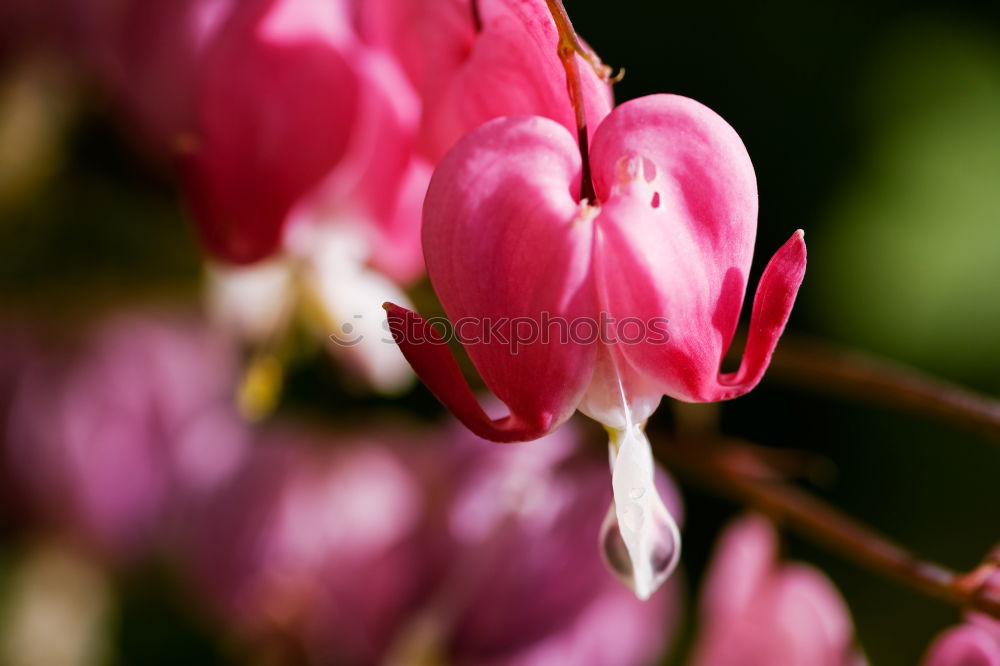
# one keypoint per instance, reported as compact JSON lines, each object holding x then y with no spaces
{"x":640,"y":540}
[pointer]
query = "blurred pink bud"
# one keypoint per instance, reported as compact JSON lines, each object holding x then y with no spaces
{"x":275,"y":106}
{"x":974,"y":643}
{"x":113,"y":443}
{"x":966,"y":645}
{"x":758,"y":612}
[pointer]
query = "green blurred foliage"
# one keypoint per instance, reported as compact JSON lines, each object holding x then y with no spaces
{"x":907,"y":260}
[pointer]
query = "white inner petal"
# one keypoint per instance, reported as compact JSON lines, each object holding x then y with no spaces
{"x":641,"y":543}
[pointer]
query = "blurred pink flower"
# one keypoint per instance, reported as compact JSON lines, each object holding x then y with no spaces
{"x":279,"y":112}
{"x":296,"y":143}
{"x":970,"y":644}
{"x":527,"y":586}
{"x":314,"y":541}
{"x":392,"y":549}
{"x":297,"y":121}
{"x":759,"y":612}
{"x":115,"y":441}
{"x":274,"y":108}
{"x":976,"y":642}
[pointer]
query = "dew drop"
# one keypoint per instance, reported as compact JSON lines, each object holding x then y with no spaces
{"x":613,"y":549}
{"x":655,"y":203}
{"x":660,"y":557}
{"x":636,"y":493}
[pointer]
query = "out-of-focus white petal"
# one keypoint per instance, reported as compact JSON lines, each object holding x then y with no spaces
{"x":638,"y":519}
{"x":350,"y":296}
{"x":252,"y":302}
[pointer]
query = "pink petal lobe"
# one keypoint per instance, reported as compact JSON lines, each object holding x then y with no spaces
{"x":510,"y":67}
{"x":673,"y":247}
{"x":379,"y":183}
{"x":771,"y":307}
{"x":745,"y":553}
{"x":507,"y":249}
{"x":427,"y":351}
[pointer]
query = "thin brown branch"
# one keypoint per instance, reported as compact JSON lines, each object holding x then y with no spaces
{"x":824,"y":367}
{"x":734,"y":470}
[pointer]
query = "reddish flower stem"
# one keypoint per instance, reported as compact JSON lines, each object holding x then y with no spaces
{"x":569,"y":47}
{"x":735,"y":470}
{"x":853,"y":374}
{"x":477,"y":19}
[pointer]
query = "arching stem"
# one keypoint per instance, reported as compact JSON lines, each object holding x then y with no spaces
{"x":569,"y":47}
{"x":733,"y":469}
{"x":826,"y":367}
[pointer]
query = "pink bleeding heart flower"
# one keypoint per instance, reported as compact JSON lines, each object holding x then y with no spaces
{"x":546,"y":289}
{"x":759,"y":612}
{"x":477,"y":60}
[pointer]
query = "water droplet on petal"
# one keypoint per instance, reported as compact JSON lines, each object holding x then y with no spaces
{"x":636,"y":493}
{"x":661,"y":558}
{"x":613,"y":548}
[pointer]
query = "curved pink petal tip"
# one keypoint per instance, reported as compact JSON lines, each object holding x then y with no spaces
{"x":772,"y":306}
{"x":427,"y":351}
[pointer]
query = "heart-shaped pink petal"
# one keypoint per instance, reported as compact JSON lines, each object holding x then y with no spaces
{"x":674,"y":241}
{"x":507,"y":246}
{"x":509,"y":67}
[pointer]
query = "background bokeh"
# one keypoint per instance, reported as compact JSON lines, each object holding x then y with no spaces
{"x":874,"y":126}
